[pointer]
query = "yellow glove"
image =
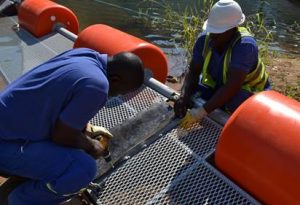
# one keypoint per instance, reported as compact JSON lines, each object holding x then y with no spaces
{"x":103,"y":136}
{"x":192,"y":116}
{"x":94,"y":131}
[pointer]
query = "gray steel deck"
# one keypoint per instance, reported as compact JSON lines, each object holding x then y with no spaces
{"x":20,"y":51}
{"x":173,"y":169}
{"x":169,"y":167}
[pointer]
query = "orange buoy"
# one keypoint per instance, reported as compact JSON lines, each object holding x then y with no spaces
{"x":109,"y":40}
{"x":259,"y":148}
{"x":39,"y":17}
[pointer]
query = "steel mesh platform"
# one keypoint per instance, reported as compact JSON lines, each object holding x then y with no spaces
{"x":171,"y":170}
{"x":126,"y":106}
{"x":20,"y":51}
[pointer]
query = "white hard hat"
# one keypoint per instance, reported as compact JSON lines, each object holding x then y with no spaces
{"x":224,"y":15}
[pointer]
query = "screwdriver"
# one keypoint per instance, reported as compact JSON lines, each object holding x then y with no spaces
{"x":106,"y":155}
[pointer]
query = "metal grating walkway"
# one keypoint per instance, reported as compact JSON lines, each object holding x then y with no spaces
{"x":126,"y":106}
{"x":171,"y":170}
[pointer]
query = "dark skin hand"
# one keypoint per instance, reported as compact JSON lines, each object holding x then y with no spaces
{"x":223,"y":94}
{"x":119,"y":67}
{"x":69,"y":137}
{"x":188,"y":88}
{"x":234,"y":82}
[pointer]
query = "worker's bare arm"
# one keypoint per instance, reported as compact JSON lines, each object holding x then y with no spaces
{"x":188,"y":88}
{"x":227,"y":91}
{"x":191,"y":80}
{"x":70,"y":137}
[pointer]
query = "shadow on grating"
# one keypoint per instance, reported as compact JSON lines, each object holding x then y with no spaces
{"x":119,"y":109}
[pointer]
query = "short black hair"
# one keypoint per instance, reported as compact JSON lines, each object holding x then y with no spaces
{"x":125,"y":72}
{"x":129,"y":64}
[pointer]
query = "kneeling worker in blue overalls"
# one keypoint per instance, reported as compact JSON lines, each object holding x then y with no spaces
{"x":43,"y":117}
{"x":225,"y":68}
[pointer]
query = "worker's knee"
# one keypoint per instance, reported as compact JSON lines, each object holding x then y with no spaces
{"x":78,"y":175}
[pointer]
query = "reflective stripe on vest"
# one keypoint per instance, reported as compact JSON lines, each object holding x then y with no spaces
{"x":255,"y":80}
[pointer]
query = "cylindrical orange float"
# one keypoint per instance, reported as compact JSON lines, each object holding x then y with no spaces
{"x":39,"y":17}
{"x":259,"y":148}
{"x":109,"y":40}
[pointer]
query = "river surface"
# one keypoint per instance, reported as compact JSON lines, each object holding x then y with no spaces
{"x":282,"y":18}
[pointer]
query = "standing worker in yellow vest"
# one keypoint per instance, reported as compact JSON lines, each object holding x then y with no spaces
{"x":225,"y":68}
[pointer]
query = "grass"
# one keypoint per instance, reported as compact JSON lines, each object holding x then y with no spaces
{"x":286,"y":79}
{"x":185,"y":24}
{"x":293,"y":92}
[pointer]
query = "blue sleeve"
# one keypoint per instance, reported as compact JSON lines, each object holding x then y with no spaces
{"x":197,"y":51}
{"x":86,"y":101}
{"x":244,"y":55}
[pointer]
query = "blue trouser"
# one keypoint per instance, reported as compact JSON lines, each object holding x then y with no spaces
{"x":65,"y":170}
{"x":206,"y":93}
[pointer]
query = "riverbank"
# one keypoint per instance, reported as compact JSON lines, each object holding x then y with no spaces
{"x":285,"y":75}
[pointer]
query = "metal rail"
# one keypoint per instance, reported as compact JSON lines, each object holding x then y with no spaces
{"x":149,"y":81}
{"x":65,"y":32}
{"x":218,"y":115}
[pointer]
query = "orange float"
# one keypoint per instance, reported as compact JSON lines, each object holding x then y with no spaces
{"x":259,"y":148}
{"x":109,"y":40}
{"x":39,"y":17}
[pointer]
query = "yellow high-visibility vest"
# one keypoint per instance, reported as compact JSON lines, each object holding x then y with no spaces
{"x":255,"y":80}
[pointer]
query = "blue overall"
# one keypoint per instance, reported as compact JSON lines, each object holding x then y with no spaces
{"x":71,"y":87}
{"x":244,"y":57}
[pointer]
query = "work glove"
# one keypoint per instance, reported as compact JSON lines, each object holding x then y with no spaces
{"x":96,"y":131}
{"x":100,"y":137}
{"x":192,"y":116}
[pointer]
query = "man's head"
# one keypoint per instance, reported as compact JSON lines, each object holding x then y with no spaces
{"x":222,"y":22}
{"x":125,"y":73}
{"x":224,"y":15}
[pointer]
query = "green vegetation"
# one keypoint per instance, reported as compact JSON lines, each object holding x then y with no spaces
{"x":291,"y":88}
{"x":185,"y":24}
{"x":262,"y":34}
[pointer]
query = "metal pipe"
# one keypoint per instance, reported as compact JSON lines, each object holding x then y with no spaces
{"x":149,"y":81}
{"x":66,"y":33}
{"x":218,"y":115}
{"x":161,"y":88}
